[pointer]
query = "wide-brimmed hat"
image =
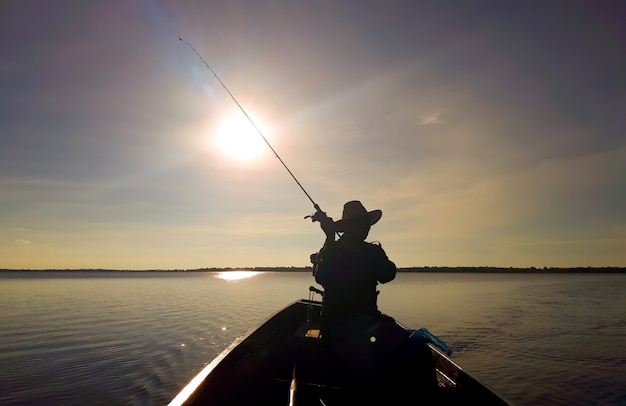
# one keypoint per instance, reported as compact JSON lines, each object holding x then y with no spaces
{"x":354,"y":212}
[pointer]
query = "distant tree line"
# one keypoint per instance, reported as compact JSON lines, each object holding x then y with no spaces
{"x":532,"y":269}
{"x":431,"y":269}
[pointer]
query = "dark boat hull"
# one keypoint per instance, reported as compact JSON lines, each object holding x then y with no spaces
{"x":283,"y":361}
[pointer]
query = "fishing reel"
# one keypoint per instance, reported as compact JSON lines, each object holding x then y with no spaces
{"x":327,"y":223}
{"x":319,"y":216}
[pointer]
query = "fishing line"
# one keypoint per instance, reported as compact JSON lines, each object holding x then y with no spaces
{"x":251,"y":121}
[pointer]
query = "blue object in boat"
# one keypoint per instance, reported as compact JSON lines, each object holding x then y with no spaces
{"x":423,"y":336}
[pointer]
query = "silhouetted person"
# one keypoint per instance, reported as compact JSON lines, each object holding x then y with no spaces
{"x":350,"y":268}
{"x":368,"y":344}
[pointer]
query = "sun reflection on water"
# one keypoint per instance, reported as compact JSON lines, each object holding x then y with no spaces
{"x":236,"y":275}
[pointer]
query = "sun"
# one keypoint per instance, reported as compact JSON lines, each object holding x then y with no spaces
{"x":238,"y":139}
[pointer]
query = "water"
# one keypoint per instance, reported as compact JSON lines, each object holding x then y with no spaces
{"x":74,"y":338}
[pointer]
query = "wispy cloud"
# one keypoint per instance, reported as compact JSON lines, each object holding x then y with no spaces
{"x":430,"y":119}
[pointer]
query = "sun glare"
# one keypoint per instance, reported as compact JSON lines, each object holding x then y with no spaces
{"x":237,"y":138}
{"x":236,"y":275}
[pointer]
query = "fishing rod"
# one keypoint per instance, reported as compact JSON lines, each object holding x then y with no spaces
{"x":314,"y":217}
{"x":315,"y":205}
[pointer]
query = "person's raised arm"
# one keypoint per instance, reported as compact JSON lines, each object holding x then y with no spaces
{"x":327,"y":225}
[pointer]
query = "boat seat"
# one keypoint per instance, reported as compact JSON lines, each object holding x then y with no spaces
{"x":308,"y":330}
{"x":312,"y":333}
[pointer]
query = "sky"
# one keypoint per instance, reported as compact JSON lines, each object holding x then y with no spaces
{"x":490,"y":133}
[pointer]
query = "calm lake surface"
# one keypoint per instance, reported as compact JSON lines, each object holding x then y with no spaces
{"x":123,"y":338}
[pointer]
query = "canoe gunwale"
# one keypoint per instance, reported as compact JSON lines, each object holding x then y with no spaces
{"x":191,"y":388}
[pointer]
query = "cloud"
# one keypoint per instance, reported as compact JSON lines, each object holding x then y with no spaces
{"x":434,"y":118}
{"x":22,"y":242}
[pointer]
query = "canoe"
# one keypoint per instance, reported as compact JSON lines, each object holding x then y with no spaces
{"x":285,"y":361}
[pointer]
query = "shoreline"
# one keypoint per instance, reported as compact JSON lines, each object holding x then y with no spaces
{"x":425,"y":269}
